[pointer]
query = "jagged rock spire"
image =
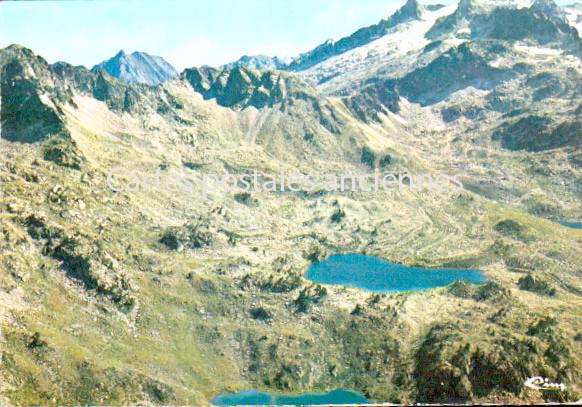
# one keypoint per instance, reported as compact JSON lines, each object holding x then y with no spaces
{"x":411,"y":10}
{"x":465,"y":6}
{"x":547,"y":7}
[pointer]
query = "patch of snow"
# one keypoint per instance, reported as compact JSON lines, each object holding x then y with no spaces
{"x":399,"y":45}
{"x":537,"y":51}
{"x":574,"y":16}
{"x":499,"y":62}
{"x":454,"y":42}
{"x":464,"y":31}
{"x":505,"y":3}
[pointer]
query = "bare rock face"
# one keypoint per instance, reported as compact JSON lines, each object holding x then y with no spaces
{"x":538,"y":133}
{"x":29,"y":97}
{"x":377,"y":97}
{"x":456,"y":69}
{"x":239,"y":87}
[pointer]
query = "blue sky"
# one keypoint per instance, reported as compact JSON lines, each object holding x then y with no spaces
{"x":185,"y":32}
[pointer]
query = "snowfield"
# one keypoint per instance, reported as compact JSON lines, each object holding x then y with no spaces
{"x":394,"y":51}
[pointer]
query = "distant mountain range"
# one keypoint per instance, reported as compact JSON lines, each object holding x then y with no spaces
{"x":415,"y":35}
{"x":138,"y":67}
{"x":259,"y":62}
{"x":420,"y":54}
{"x":425,"y":15}
{"x":397,"y":35}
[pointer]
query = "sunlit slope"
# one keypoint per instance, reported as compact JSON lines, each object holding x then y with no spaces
{"x":170,"y":297}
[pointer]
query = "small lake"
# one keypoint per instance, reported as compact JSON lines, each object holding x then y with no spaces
{"x":258,"y":398}
{"x":573,"y":225}
{"x":377,"y":275}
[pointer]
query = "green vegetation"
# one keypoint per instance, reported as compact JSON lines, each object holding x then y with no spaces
{"x":536,"y":284}
{"x":158,"y":297}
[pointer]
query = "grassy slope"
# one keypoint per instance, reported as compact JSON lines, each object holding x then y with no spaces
{"x":191,"y":336}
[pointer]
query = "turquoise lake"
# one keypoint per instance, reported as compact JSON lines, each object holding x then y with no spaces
{"x":258,"y":398}
{"x":377,"y":275}
{"x":574,"y":225}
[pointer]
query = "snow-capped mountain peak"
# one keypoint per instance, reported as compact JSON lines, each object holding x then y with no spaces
{"x":415,"y":35}
{"x":402,"y":35}
{"x":410,"y":11}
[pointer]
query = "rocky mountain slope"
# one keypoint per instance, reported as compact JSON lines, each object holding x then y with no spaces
{"x":411,"y":11}
{"x":138,"y":67}
{"x":170,"y":297}
{"x":412,"y":43}
{"x":480,"y":58}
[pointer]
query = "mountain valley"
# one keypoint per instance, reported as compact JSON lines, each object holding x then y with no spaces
{"x":173,"y":298}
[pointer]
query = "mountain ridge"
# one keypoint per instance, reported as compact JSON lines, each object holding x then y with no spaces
{"x":411,"y":10}
{"x":259,"y":62}
{"x":165,"y":296}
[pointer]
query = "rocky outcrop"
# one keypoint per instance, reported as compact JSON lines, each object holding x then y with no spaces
{"x":450,"y":369}
{"x":193,"y":235}
{"x":29,"y":96}
{"x":240,"y":87}
{"x":537,"y":133}
{"x":63,"y":151}
{"x":537,"y":284}
{"x":454,"y":70}
{"x":92,"y":267}
{"x":375,"y":98}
